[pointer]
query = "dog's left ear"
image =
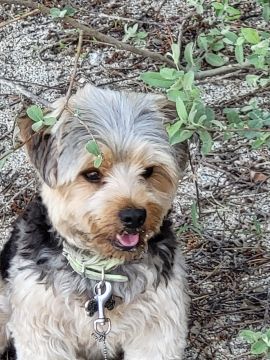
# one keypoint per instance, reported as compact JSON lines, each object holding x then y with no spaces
{"x":41,"y":148}
{"x":181,"y":150}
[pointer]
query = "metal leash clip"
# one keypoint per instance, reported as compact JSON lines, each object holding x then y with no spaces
{"x":102,"y":325}
{"x":103,"y":291}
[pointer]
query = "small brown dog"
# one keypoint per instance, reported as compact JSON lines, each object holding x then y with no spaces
{"x":98,"y":236}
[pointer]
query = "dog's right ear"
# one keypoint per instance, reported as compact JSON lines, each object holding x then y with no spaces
{"x":41,"y":148}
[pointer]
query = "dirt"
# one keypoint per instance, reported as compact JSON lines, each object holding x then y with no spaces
{"x":227,"y":250}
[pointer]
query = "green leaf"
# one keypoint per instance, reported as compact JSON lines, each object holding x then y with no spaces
{"x":202,"y":42}
{"x":173,"y":128}
{"x":98,"y":161}
{"x":231,"y":36}
{"x":156,"y":80}
{"x":181,"y":110}
{"x":233,"y":12}
{"x":142,"y":34}
{"x":37,"y":125}
{"x":188,"y":80}
{"x":55,"y":12}
{"x":255,"y":124}
{"x":172,"y":95}
{"x":214,"y":60}
{"x":49,"y":121}
{"x":252,"y":80}
{"x":181,"y":136}
{"x":256,"y":144}
{"x":62,"y":13}
{"x":170,"y":74}
{"x":195,"y":215}
{"x":256,"y":114}
{"x":207,"y":141}
{"x":70,"y":11}
{"x":239,"y":54}
{"x":259,"y":347}
{"x":217,"y":46}
{"x":240,"y":41}
{"x":257,"y":61}
{"x":264,"y":82}
{"x":188,"y":54}
{"x":218,"y":6}
{"x":93,"y":148}
{"x":175,"y":53}
{"x":232,"y":116}
{"x":266,"y":12}
{"x":219,"y":124}
{"x":251,"y":35}
{"x":35,"y":113}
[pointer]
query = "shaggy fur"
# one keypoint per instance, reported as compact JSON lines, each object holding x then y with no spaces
{"x":41,"y":298}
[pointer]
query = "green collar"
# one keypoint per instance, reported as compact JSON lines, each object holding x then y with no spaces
{"x":91,"y":265}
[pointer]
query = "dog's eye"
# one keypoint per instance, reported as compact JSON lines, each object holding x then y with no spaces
{"x":92,"y":176}
{"x":148,"y":172}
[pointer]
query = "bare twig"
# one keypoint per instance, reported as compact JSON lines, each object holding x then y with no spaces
{"x":73,"y":75}
{"x":89,"y":31}
{"x":181,"y":31}
{"x":29,"y":13}
{"x":195,"y":181}
{"x":26,"y":93}
{"x":127,"y":19}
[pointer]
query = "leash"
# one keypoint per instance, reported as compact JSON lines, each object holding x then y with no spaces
{"x":102,"y":325}
{"x":95,"y":267}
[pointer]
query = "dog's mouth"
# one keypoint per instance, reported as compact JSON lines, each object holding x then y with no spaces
{"x":127,"y":240}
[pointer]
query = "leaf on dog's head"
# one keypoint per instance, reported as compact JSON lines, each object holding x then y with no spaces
{"x":98,"y":161}
{"x":38,"y":125}
{"x":93,"y":148}
{"x":35,"y":113}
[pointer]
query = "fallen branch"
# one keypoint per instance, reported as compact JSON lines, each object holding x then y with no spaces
{"x":93,"y":33}
{"x":29,"y":13}
{"x":220,"y":70}
{"x":19,"y":89}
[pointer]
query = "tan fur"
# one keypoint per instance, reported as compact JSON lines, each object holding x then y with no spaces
{"x":95,"y":229}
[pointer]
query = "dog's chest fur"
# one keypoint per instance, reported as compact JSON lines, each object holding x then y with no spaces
{"x":56,"y":294}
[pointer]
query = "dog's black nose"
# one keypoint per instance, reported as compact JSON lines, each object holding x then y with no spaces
{"x":132,"y":218}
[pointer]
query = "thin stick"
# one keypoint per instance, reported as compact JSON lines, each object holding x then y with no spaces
{"x":73,"y":75}
{"x":26,"y":93}
{"x":89,"y":31}
{"x":29,"y":13}
{"x":181,"y":32}
{"x":195,"y":180}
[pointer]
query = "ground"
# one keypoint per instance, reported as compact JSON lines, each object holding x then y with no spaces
{"x":228,"y":252}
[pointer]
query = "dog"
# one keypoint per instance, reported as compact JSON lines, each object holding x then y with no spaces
{"x":92,"y":269}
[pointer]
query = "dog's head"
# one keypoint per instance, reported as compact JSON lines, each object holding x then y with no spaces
{"x":116,"y":208}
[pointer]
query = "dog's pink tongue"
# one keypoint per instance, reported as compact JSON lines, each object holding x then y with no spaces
{"x":128,"y":239}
